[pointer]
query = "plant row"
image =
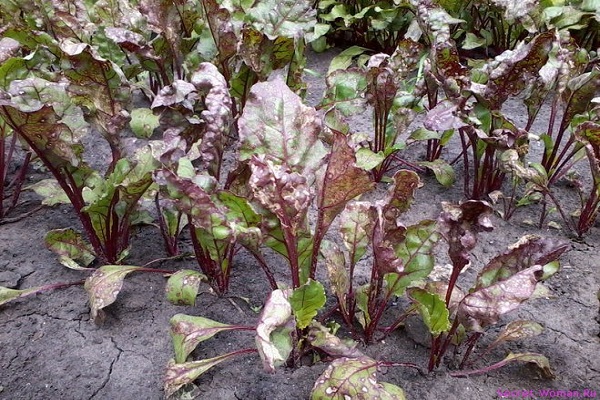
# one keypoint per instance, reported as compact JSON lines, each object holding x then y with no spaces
{"x":167,"y":91}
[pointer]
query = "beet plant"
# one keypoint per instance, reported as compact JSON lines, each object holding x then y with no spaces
{"x":455,"y":317}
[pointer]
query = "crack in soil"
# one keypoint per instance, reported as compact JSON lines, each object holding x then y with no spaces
{"x":110,"y":369}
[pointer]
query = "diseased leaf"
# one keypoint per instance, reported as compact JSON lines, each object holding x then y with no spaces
{"x":460,"y":224}
{"x":44,"y":115}
{"x":287,"y":18}
{"x":432,"y":309}
{"x":217,"y":116}
{"x":513,"y":71}
{"x":182,"y":287}
{"x":104,"y":285}
{"x":530,"y":250}
{"x":444,"y":116}
{"x":356,"y":227}
{"x":535,"y":358}
{"x":276,"y":124}
{"x":187,"y":332}
{"x":353,"y":378}
{"x":71,"y":247}
{"x":319,"y":336}
{"x":516,"y":330}
{"x":483,"y":307}
{"x":180,"y":374}
{"x":339,"y":278}
{"x":273,"y":332}
{"x":342,"y":182}
{"x":306,"y":301}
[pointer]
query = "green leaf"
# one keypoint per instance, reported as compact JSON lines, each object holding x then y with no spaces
{"x":181,"y":374}
{"x":472,"y":41}
{"x":367,"y":159}
{"x":345,"y":91}
{"x":344,"y":59}
{"x":274,"y":330}
{"x":104,"y":285}
{"x":188,"y":331}
{"x":416,"y":253}
{"x":182,"y":287}
{"x":306,"y":301}
{"x":444,"y":173}
{"x":51,"y":192}
{"x":71,"y":247}
{"x":353,"y":378}
{"x":143,"y":122}
{"x":433,"y":310}
{"x":7,"y":294}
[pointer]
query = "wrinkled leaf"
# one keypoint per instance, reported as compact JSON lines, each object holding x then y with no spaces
{"x":353,"y":378}
{"x":273,"y":332}
{"x":104,"y":285}
{"x":530,"y":250}
{"x":276,"y":124}
{"x":188,"y":331}
{"x":306,"y":301}
{"x":460,"y":225}
{"x":484,"y":306}
{"x":182,"y":287}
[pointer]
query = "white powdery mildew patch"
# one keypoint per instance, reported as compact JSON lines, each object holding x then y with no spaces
{"x":515,"y":9}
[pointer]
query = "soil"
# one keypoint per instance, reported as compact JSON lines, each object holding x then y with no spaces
{"x":51,"y":349}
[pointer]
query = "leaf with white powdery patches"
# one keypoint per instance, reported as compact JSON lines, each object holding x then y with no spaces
{"x":182,"y":287}
{"x":276,"y":123}
{"x":484,"y":307}
{"x":188,"y":331}
{"x":104,"y":285}
{"x":287,"y":18}
{"x":179,"y":375}
{"x":274,"y":329}
{"x":354,"y":378}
